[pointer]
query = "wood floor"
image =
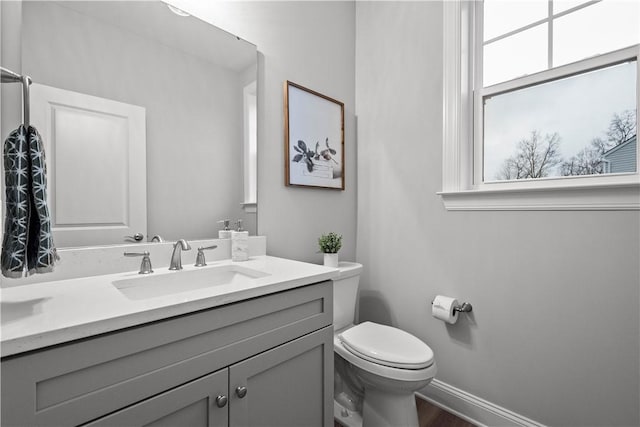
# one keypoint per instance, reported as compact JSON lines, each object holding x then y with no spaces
{"x":432,"y":416}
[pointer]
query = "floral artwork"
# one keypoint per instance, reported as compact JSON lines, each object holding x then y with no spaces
{"x":314,"y":159}
{"x":314,"y":140}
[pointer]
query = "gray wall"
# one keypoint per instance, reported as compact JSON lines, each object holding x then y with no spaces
{"x":10,"y":94}
{"x":554,"y":333}
{"x":10,"y":54}
{"x":312,"y":44}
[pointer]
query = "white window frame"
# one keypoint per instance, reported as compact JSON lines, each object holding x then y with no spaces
{"x":461,"y":188}
{"x":250,"y":148}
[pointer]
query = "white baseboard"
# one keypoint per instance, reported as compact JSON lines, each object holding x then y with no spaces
{"x":472,"y":408}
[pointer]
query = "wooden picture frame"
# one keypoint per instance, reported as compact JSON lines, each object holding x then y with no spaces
{"x":314,"y":138}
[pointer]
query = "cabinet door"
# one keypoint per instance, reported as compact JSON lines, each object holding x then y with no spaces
{"x":194,"y":404}
{"x":288,"y":386}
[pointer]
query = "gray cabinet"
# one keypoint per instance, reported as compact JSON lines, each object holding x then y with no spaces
{"x":286,"y":386}
{"x":278,"y":347}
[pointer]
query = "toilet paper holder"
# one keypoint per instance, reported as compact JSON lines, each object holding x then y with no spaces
{"x":465,"y":307}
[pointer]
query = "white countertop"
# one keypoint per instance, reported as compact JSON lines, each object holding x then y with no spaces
{"x":43,"y":314}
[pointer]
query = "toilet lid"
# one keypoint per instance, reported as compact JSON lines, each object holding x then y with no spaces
{"x":387,"y":346}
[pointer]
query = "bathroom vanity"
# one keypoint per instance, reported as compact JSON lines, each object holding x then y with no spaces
{"x":258,"y":352}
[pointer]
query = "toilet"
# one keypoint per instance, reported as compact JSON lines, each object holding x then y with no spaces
{"x":377,"y":367}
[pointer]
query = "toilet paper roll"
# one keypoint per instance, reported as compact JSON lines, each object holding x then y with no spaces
{"x":443,"y":308}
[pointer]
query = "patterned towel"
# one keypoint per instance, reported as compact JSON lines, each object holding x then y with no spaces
{"x":27,"y":243}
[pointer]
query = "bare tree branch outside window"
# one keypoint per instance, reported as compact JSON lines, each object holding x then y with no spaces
{"x":590,"y":160}
{"x":622,"y":127}
{"x":537,"y":156}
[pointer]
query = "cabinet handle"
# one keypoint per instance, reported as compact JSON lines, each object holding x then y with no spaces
{"x":221,"y":401}
{"x":241,"y":391}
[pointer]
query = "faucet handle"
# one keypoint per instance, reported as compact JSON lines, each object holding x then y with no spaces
{"x":200,"y":261}
{"x":145,"y":265}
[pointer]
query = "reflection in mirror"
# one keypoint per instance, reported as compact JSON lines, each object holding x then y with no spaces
{"x":186,"y":82}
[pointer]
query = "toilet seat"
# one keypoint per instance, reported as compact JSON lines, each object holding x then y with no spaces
{"x":387,"y":346}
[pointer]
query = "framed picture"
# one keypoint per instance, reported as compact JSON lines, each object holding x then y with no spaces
{"x":314,"y":138}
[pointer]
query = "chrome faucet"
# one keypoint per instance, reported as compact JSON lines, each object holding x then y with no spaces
{"x":176,"y":256}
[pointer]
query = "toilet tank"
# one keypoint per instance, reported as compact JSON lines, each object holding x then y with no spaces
{"x":345,"y":292}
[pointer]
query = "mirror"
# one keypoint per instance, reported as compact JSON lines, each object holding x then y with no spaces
{"x":192,"y":79}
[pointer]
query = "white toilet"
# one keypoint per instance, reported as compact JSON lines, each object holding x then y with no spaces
{"x":377,"y":368}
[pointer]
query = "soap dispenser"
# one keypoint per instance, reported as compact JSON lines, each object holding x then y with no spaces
{"x":239,"y":243}
{"x":225,"y":233}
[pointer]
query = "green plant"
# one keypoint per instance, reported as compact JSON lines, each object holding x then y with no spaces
{"x":330,"y":243}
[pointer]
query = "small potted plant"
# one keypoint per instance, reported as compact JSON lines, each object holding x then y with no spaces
{"x":330,"y":244}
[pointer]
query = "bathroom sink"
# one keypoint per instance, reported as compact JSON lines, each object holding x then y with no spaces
{"x":182,"y":281}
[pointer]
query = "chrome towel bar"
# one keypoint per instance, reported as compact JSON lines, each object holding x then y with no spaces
{"x":9,"y":76}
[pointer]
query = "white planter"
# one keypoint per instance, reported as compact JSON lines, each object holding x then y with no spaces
{"x":331,"y":260}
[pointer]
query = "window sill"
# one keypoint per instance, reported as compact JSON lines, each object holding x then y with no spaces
{"x":250,"y":207}
{"x":574,"y":198}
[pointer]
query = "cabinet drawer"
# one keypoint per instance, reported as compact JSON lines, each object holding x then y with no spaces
{"x":77,"y":382}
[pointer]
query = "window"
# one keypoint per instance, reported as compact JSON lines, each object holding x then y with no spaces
{"x":549,"y":103}
{"x":563,"y":127}
{"x":250,"y":148}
